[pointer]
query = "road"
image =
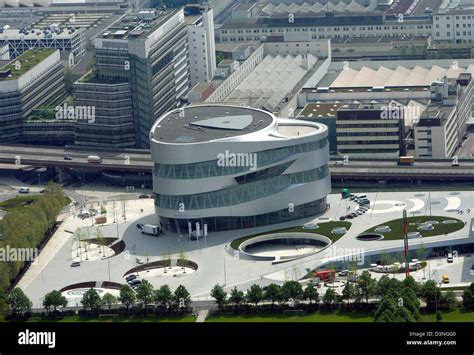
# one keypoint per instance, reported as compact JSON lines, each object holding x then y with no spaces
{"x":141,"y":162}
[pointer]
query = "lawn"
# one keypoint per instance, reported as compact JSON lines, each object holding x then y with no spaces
{"x":325,"y":229}
{"x":28,"y":60}
{"x":333,"y":316}
{"x":454,"y":315}
{"x":125,"y":319}
{"x":17,"y":203}
{"x":396,"y":226}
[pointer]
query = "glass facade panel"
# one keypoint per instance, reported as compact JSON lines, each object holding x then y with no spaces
{"x":216,"y":224}
{"x":240,"y":194}
{"x":210,"y":168}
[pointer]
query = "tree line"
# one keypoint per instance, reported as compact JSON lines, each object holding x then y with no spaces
{"x":391,"y":300}
{"x":26,"y":228}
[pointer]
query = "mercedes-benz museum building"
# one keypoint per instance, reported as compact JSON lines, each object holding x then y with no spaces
{"x":233,"y":167}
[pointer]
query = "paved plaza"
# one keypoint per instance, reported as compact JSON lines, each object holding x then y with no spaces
{"x":217,"y":262}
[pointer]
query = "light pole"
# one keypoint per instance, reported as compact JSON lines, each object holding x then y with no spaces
{"x":225,"y":273}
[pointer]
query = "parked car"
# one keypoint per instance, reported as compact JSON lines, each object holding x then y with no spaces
{"x":24,"y":190}
{"x":76,"y":264}
{"x":446,"y":279}
{"x":67,"y":157}
{"x":131,"y":277}
{"x":349,"y":216}
{"x":140,"y":225}
{"x":144,"y":196}
{"x":139,"y":261}
{"x":134,"y":282}
{"x":342,"y":218}
{"x":343,"y":272}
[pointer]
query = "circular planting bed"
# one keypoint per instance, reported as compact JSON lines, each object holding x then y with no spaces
{"x":366,"y":237}
{"x":427,"y":226}
{"x":283,"y":246}
{"x":162,"y":268}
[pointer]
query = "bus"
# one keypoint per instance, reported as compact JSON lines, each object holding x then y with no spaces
{"x":94,"y":159}
{"x":406,"y":160}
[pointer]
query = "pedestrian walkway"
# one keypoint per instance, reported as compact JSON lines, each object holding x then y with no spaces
{"x":202,"y":315}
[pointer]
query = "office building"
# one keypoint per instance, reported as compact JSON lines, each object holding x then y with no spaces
{"x":26,"y":83}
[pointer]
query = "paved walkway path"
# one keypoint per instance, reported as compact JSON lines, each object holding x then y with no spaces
{"x":202,"y":315}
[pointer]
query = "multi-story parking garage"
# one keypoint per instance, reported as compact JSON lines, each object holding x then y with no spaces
{"x":234,"y":167}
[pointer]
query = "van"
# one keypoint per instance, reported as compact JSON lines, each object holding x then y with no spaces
{"x":450,"y":257}
{"x":24,"y":190}
{"x":94,"y":159}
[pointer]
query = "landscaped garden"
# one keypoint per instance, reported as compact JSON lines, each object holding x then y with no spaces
{"x":416,"y":224}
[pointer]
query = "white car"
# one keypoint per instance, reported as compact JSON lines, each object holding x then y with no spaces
{"x":24,"y":190}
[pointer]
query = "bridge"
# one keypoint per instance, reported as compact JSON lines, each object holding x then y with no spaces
{"x":140,"y":161}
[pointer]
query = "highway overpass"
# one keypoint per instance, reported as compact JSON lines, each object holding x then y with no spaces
{"x":136,"y":161}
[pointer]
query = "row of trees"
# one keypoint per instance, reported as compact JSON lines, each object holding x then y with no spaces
{"x":395,"y":300}
{"x":26,"y":228}
{"x":18,"y":305}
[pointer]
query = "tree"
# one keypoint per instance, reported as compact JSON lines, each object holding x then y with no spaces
{"x":310,"y":293}
{"x":329,"y":297}
{"x":348,"y":293}
{"x":18,"y":302}
{"x":92,"y":300}
{"x":163,"y":296}
{"x":236,"y":297}
{"x":219,"y":295}
{"x":402,"y":315}
{"x":431,"y":293}
{"x":385,"y":310}
{"x":54,"y":299}
{"x":468,"y":297}
{"x":292,"y":290}
{"x":145,"y":293}
{"x":449,"y":298}
{"x":101,"y":240}
{"x":272,"y":293}
{"x":383,"y":285}
{"x":182,"y":297}
{"x":367,"y":285}
{"x":219,"y":58}
{"x":108,"y":299}
{"x":255,"y":294}
{"x":411,"y":302}
{"x":127,"y":296}
{"x":78,"y":240}
{"x":409,"y":282}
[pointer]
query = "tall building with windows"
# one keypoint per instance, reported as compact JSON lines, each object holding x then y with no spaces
{"x":26,"y":83}
{"x":202,"y":47}
{"x":143,"y":59}
{"x":232,"y":167}
{"x":454,"y":25}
